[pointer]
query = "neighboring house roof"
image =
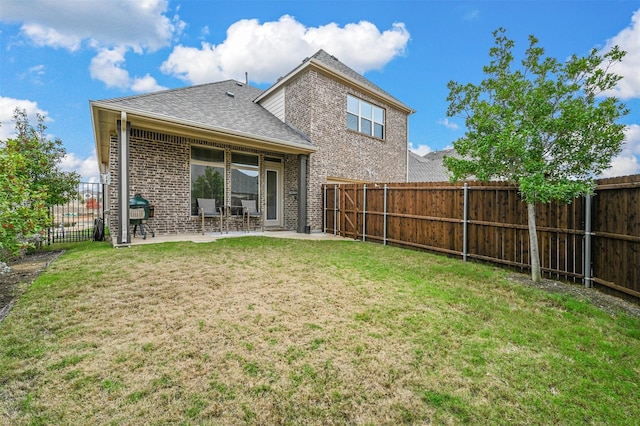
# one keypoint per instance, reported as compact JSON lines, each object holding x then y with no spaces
{"x":429,"y":168}
{"x":224,"y":107}
{"x":329,"y":63}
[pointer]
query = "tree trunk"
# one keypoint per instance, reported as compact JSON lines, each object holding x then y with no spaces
{"x":533,"y":243}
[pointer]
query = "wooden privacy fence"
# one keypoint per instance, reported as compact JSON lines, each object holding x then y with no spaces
{"x":488,"y":222}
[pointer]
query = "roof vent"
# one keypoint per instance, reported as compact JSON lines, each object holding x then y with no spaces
{"x":231,"y":95}
{"x":239,"y":84}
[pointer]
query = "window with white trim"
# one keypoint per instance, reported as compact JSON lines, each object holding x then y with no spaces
{"x":364,"y":117}
{"x":207,"y":175}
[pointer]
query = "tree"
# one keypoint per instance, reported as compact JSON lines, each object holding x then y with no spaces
{"x":30,"y":182}
{"x":43,"y":160}
{"x":22,"y":211}
{"x":92,"y":203}
{"x":545,"y":127}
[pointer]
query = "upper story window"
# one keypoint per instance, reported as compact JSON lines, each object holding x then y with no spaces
{"x":364,"y":117}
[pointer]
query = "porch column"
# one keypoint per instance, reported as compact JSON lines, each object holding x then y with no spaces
{"x":124,"y":130}
{"x":302,"y":193}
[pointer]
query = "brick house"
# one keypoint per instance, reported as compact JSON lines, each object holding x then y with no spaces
{"x":322,"y":122}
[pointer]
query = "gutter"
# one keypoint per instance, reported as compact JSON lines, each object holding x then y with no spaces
{"x":133,"y":113}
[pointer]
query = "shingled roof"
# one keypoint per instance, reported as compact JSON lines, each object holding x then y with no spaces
{"x":326,"y":61}
{"x":227,"y":105}
{"x":333,"y":62}
{"x":430,"y":167}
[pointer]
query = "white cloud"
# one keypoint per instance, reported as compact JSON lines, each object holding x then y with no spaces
{"x":472,"y":16}
{"x":195,"y":65}
{"x":140,"y":25}
{"x":421,"y":150}
{"x":113,"y":29}
{"x":37,"y":70}
{"x":268,"y":50}
{"x":107,"y":66}
{"x":628,"y":161}
{"x":628,"y":40}
{"x":361,"y":46}
{"x":204,"y":32}
{"x":622,"y":165}
{"x":50,"y":37}
{"x":146,"y":84}
{"x":449,"y":124}
{"x":86,"y":167}
{"x":7,"y":108}
{"x":632,"y":139}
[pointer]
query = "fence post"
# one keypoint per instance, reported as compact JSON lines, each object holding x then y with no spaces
{"x":364,"y":212}
{"x":587,"y":241}
{"x":384,"y":232}
{"x":335,"y":208}
{"x":49,"y":233}
{"x":465,"y":225}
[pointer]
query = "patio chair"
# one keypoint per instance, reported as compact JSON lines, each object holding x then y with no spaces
{"x":207,"y":208}
{"x":249,"y":210}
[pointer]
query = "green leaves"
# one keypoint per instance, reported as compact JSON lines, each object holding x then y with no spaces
{"x":30,"y":181}
{"x":543,"y":125}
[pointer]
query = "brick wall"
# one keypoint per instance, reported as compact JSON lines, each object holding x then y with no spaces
{"x":342,"y":153}
{"x":160,"y":171}
{"x":290,"y":191}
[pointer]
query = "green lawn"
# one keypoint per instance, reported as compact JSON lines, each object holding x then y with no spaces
{"x":272,"y":331}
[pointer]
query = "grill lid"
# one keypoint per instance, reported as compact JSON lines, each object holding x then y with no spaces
{"x":138,"y":201}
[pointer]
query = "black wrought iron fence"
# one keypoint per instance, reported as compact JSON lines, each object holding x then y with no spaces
{"x":76,"y":220}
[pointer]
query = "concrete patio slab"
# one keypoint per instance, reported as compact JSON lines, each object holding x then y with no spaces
{"x":213,"y":236}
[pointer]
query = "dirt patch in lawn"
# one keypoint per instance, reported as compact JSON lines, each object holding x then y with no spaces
{"x":606,"y":302}
{"x":23,"y":272}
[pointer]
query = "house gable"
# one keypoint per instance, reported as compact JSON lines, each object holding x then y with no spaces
{"x":275,"y":104}
{"x":328,"y":64}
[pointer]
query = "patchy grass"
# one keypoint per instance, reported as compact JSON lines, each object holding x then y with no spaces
{"x":270,"y":331}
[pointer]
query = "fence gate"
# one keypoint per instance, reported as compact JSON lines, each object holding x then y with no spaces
{"x":75,"y":220}
{"x":349,"y":216}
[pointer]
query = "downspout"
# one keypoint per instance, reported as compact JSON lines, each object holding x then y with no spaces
{"x":302,"y":193}
{"x":407,"y":159}
{"x":123,"y":179}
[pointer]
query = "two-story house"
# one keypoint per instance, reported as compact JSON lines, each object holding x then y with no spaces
{"x":322,"y":122}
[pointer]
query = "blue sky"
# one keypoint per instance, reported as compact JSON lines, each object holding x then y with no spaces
{"x":56,"y":55}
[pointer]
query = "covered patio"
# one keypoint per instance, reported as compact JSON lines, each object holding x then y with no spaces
{"x":205,"y":142}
